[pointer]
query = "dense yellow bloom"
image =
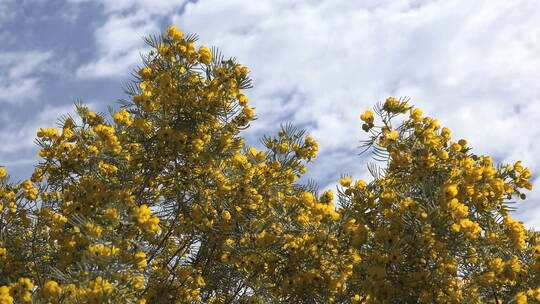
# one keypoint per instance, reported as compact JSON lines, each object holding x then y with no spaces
{"x":98,"y":290}
{"x":457,"y":209}
{"x":517,"y":232}
{"x":142,"y":213}
{"x":470,"y":228}
{"x":103,"y":250}
{"x":168,"y":204}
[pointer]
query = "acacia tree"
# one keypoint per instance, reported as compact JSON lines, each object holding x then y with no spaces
{"x":164,"y":203}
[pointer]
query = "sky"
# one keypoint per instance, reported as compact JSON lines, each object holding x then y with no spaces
{"x":473,"y":65}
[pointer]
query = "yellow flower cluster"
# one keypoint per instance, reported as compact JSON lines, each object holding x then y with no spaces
{"x":123,"y":118}
{"x":30,"y":192}
{"x":107,"y":137}
{"x":435,"y":202}
{"x":168,"y":205}
{"x":98,"y":291}
{"x":144,"y":218}
{"x":47,"y":134}
{"x":103,"y":250}
{"x":368,"y":118}
{"x":21,"y":290}
{"x":51,"y":290}
{"x":517,"y":232}
{"x":393,"y":106}
{"x":107,"y":168}
{"x":5,"y":297}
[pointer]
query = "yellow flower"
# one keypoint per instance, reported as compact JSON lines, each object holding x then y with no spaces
{"x":173,"y":32}
{"x":242,"y":100}
{"x":5,"y":297}
{"x":367,"y":117}
{"x":536,"y":251}
{"x":145,"y":73}
{"x":393,"y":135}
{"x":346,"y":181}
{"x":520,"y":298}
{"x":205,"y":56}
{"x":200,"y":281}
{"x":226,"y":215}
{"x":142,"y":213}
{"x":442,"y":154}
{"x":455,"y":147}
{"x":393,"y":105}
{"x":26,"y":284}
{"x":360,"y":184}
{"x":144,"y":217}
{"x":51,"y":290}
{"x":123,"y":118}
{"x":107,"y":168}
{"x":450,"y":191}
{"x":252,"y":151}
{"x":141,"y":257}
{"x":416,"y":115}
{"x":111,"y":214}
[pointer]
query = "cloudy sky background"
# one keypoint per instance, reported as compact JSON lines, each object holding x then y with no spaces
{"x":474,"y":65}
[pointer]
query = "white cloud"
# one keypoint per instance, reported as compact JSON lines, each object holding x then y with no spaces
{"x":19,"y":79}
{"x":119,"y":40}
{"x":119,"y":43}
{"x":16,"y":137}
{"x":472,"y":64}
{"x":18,"y":151}
{"x":160,"y":7}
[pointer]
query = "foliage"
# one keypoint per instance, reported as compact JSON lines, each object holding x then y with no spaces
{"x":164,"y":203}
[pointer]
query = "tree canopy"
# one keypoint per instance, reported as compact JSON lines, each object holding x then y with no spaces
{"x":162,"y":202}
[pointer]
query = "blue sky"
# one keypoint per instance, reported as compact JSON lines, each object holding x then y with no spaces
{"x":474,"y":65}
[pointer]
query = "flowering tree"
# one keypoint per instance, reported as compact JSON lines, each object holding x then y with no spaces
{"x":163,"y":203}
